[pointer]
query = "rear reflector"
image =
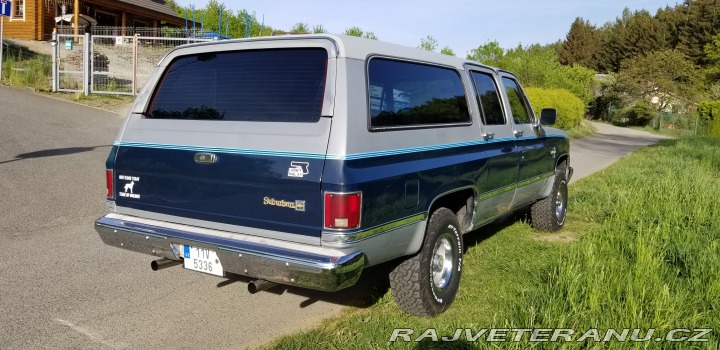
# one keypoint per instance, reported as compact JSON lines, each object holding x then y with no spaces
{"x":342,"y":210}
{"x":109,"y":183}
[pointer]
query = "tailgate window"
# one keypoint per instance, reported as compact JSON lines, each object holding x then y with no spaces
{"x":278,"y":85}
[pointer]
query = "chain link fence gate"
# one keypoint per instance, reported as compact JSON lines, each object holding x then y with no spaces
{"x":109,"y":64}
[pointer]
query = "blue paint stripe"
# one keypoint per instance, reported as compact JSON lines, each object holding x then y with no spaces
{"x":355,"y":156}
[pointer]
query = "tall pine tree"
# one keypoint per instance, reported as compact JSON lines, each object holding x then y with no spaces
{"x":702,"y":22}
{"x":580,"y":45}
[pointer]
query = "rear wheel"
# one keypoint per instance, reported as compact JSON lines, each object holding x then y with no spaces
{"x":426,"y":283}
{"x":549,"y":213}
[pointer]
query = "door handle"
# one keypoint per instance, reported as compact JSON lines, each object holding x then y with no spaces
{"x":488,"y":136}
{"x":518,"y":133}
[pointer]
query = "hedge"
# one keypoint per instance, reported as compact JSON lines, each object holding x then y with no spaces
{"x":710,"y":111}
{"x":569,"y":107}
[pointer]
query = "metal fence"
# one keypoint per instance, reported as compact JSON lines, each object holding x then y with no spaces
{"x":69,"y":63}
{"x":161,"y":32}
{"x":108,"y":64}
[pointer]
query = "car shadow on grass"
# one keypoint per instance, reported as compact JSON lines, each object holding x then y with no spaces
{"x":54,"y":152}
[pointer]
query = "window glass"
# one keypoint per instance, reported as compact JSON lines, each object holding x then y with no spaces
{"x":413,"y":94}
{"x":488,"y":99}
{"x":18,"y":9}
{"x":518,"y":105}
{"x":280,"y":85}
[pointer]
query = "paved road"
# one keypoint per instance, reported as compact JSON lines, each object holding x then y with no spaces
{"x":610,"y":143}
{"x":62,"y":288}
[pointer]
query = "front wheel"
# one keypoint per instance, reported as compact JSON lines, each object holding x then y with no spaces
{"x":426,"y":283}
{"x":549,"y":213}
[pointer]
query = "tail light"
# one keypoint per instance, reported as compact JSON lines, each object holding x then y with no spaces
{"x":342,"y":210}
{"x":109,"y":181}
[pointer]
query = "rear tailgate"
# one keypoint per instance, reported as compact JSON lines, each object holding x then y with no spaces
{"x":232,"y":137}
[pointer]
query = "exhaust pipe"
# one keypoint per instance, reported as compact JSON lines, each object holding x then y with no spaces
{"x":164,"y":263}
{"x":260,"y":285}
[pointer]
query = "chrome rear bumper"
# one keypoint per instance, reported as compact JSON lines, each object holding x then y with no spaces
{"x":313,"y":268}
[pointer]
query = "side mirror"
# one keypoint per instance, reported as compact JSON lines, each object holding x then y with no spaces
{"x":548,"y":116}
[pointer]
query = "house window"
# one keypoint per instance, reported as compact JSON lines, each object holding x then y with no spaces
{"x":18,"y":10}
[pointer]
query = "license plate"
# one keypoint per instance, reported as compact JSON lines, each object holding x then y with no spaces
{"x":203,"y":260}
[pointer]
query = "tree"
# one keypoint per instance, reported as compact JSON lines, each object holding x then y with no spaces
{"x":300,"y":28}
{"x":702,"y":22}
{"x":489,"y":53}
{"x":671,"y":18}
{"x":581,"y":44}
{"x":447,"y":51}
{"x":428,"y":43}
{"x":635,"y":33}
{"x":319,"y":29}
{"x":537,"y":66}
{"x":667,"y":74}
{"x":356,"y":31}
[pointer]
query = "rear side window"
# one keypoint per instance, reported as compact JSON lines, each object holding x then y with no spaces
{"x":488,"y":99}
{"x":279,"y":85}
{"x":406,"y":94}
{"x":518,"y":103}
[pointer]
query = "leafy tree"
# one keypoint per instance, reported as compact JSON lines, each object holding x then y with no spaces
{"x":667,"y":74}
{"x":489,"y":53}
{"x":428,"y":43}
{"x":581,"y":44}
{"x":447,"y":51}
{"x":356,"y":31}
{"x":537,"y":66}
{"x":300,"y":28}
{"x":319,"y":29}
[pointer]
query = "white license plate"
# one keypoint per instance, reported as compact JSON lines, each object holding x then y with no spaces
{"x":202,"y":259}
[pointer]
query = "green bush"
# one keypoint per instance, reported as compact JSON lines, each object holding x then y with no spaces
{"x":640,"y":114}
{"x":569,"y":107}
{"x":709,"y":112}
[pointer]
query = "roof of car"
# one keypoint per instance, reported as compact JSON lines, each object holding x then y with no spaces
{"x":360,"y":48}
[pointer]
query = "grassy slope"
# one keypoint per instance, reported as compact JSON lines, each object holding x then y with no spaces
{"x":641,"y":249}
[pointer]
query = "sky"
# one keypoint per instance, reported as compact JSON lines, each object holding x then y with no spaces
{"x":461,"y":25}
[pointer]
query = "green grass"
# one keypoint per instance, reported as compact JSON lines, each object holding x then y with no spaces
{"x":641,"y":249}
{"x":34,"y":73}
{"x":583,"y":129}
{"x":666,"y":132}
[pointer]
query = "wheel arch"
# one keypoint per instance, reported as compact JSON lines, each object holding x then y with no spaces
{"x":461,"y":201}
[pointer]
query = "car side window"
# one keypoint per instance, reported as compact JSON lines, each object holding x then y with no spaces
{"x":521,"y":112}
{"x":488,"y":99}
{"x":408,"y":94}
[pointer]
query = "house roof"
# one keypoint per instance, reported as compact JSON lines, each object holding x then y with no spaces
{"x":154,"y":5}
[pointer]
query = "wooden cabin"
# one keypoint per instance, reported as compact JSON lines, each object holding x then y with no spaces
{"x":35,"y":19}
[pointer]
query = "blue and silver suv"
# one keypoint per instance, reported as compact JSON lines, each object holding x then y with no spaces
{"x":301,"y":160}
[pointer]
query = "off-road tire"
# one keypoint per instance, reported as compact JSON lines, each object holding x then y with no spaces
{"x":546,"y":214}
{"x":412,"y":282}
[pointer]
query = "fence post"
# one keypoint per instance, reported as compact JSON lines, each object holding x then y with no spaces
{"x":55,"y":77}
{"x":135,"y":64}
{"x":87,"y":53}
